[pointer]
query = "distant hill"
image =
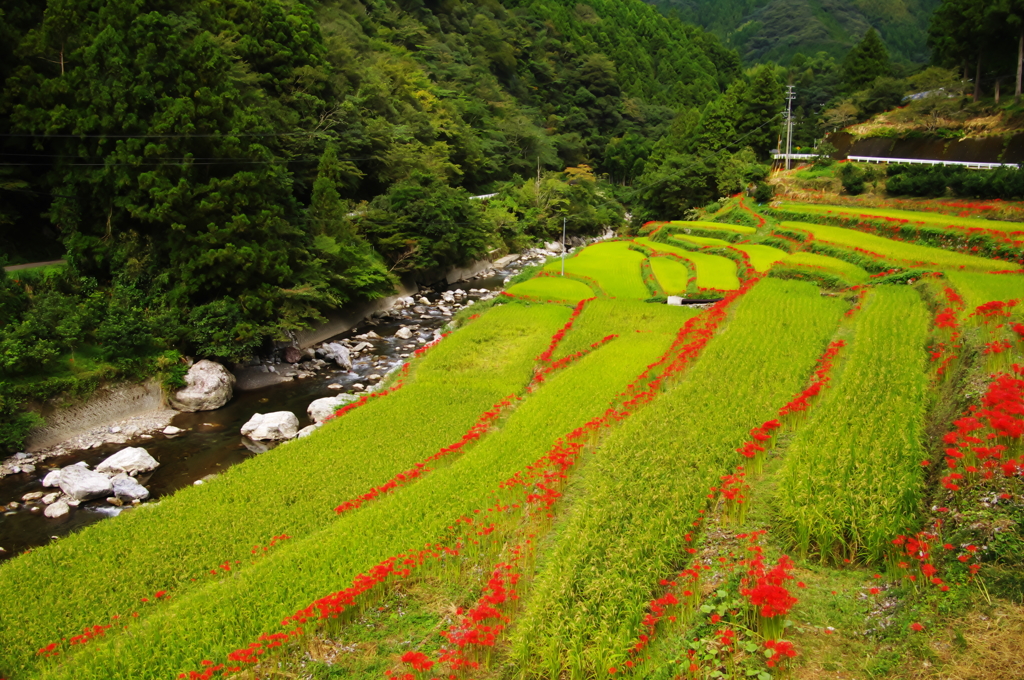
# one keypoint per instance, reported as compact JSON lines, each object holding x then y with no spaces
{"x":775,"y":30}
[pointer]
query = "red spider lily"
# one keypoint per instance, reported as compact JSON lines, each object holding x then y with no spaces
{"x":782,"y":650}
{"x":916,"y":627}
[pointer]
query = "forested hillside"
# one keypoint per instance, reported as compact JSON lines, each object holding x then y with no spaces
{"x":765,"y":30}
{"x":220,"y":174}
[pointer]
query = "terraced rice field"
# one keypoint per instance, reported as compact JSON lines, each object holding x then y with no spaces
{"x":762,"y":257}
{"x":552,"y":288}
{"x":613,"y":264}
{"x":930,"y":219}
{"x":846,"y":270}
{"x":906,"y":254}
{"x":714,"y":226}
{"x":672,"y":274}
{"x":786,"y":483}
{"x":702,"y":240}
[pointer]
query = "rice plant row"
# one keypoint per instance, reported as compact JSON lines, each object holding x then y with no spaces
{"x":81,"y":580}
{"x":977,"y":289}
{"x":650,"y":478}
{"x":924,"y":230}
{"x":672,"y":274}
{"x":224,"y":616}
{"x":907,"y":216}
{"x":905,"y":254}
{"x":852,"y":475}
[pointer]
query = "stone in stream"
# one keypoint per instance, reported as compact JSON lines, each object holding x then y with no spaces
{"x":51,"y":498}
{"x":128,"y":489}
{"x":52,"y":479}
{"x":292,"y":355}
{"x":338,"y":353}
{"x":322,"y":409}
{"x":131,"y":460}
{"x":58,"y":509}
{"x":82,"y":484}
{"x":208,"y":386}
{"x":403,"y":333}
{"x":308,"y":430}
{"x":34,"y":496}
{"x":279,"y":425}
{"x":171,"y":430}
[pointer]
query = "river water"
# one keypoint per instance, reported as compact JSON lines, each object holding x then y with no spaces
{"x":212,"y":442}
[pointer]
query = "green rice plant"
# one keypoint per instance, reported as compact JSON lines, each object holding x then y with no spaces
{"x":552,"y":288}
{"x":977,"y":289}
{"x":613,"y":264}
{"x":948,"y":221}
{"x":983,"y":238}
{"x":601,"y":318}
{"x":714,"y":226}
{"x":226,"y":614}
{"x":903,"y":254}
{"x":702,"y":240}
{"x":85,"y":578}
{"x":848,"y":271}
{"x":762,"y":256}
{"x":852,"y":477}
{"x":642,"y":492}
{"x":672,"y":274}
{"x":715,"y":272}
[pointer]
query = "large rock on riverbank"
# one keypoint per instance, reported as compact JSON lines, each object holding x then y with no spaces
{"x":322,"y":409}
{"x":131,"y":460}
{"x":276,"y":426}
{"x":209,"y":386}
{"x":82,"y":484}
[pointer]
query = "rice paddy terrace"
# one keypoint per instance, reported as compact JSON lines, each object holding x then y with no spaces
{"x":817,"y":475}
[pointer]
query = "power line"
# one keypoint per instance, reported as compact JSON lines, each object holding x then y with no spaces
{"x":115,"y":135}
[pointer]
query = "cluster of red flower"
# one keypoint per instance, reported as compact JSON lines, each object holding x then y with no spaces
{"x":765,"y":588}
{"x":997,"y":423}
{"x":913,"y":559}
{"x":944,"y":352}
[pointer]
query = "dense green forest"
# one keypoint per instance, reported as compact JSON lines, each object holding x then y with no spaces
{"x":776,"y":30}
{"x":220,"y":175}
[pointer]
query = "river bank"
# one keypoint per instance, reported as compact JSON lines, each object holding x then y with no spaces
{"x":193,"y":446}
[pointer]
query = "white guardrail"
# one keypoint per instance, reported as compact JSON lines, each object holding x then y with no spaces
{"x":913,"y":161}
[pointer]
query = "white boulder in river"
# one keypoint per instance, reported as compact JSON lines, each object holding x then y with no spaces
{"x":131,"y":460}
{"x":322,"y":409}
{"x":208,"y":386}
{"x":338,"y":353}
{"x":278,"y":425}
{"x":82,"y":484}
{"x":58,"y":509}
{"x":128,"y":489}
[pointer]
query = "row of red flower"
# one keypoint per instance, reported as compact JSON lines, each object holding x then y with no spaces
{"x":540,"y":483}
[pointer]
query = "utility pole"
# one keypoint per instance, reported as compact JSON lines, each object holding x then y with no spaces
{"x":563,"y":246}
{"x":790,"y":96}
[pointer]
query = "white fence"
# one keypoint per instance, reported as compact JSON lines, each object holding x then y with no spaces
{"x":974,"y":165}
{"x":922,"y":161}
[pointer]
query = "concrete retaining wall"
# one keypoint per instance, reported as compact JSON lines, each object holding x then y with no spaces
{"x":106,"y":405}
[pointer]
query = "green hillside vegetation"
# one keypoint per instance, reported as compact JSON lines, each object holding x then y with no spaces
{"x":222,"y":175}
{"x":775,"y":30}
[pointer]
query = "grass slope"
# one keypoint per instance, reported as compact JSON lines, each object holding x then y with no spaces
{"x":105,"y":569}
{"x":647,"y":482}
{"x":228,"y":614}
{"x":852,"y":478}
